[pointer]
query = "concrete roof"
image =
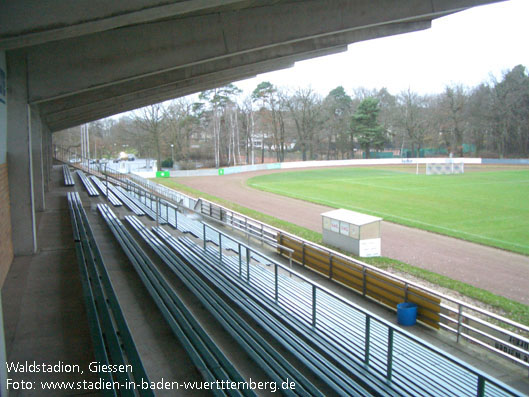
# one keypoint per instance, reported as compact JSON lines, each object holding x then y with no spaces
{"x":90,"y":59}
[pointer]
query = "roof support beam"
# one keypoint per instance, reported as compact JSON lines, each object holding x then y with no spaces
{"x":24,"y":25}
{"x":110,"y":57}
{"x":138,"y":92}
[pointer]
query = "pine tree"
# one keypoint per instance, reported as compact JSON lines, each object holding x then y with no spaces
{"x":365,"y":127}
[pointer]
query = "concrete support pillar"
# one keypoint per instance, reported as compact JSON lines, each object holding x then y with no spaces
{"x":37,"y":158}
{"x":19,"y":159}
{"x":48,"y":157}
{"x":45,"y":158}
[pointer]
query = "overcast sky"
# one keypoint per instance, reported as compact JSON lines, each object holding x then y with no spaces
{"x":462,"y":48}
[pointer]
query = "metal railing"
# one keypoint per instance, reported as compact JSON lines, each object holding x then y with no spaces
{"x":500,"y":335}
{"x":249,"y":226}
{"x":492,"y":332}
{"x":506,"y":338}
{"x":319,"y":294}
{"x":243,"y":224}
{"x":173,"y":195}
{"x":166,"y":208}
{"x":254,"y":228}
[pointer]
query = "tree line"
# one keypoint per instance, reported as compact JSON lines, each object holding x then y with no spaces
{"x":275,"y":124}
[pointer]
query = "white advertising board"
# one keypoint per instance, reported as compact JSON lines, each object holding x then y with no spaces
{"x":369,"y":248}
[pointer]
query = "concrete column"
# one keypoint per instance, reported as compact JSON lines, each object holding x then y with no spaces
{"x":20,"y":168}
{"x":48,"y":156}
{"x":45,"y":159}
{"x":37,"y":159}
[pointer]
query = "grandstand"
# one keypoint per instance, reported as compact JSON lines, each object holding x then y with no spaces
{"x":325,"y":343}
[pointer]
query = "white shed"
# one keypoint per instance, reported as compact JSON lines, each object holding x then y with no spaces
{"x":352,"y":231}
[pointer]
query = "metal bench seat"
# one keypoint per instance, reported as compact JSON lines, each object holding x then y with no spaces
{"x":205,"y":354}
{"x":90,"y":188}
{"x":346,"y":327}
{"x":189,"y":225}
{"x":186,"y":224}
{"x":68,"y":178}
{"x":168,"y":213}
{"x":415,"y":368}
{"x":328,"y":372}
{"x":127,"y":202}
{"x":253,"y":344}
{"x":101,"y":186}
{"x":269,"y":305}
{"x":146,"y":207}
{"x":112,"y":340}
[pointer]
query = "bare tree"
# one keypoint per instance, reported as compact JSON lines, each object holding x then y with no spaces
{"x":183,"y":120}
{"x":220,"y":99}
{"x":272,"y":112}
{"x":305,"y":109}
{"x":248,"y":125}
{"x":411,"y":119}
{"x":151,"y":119}
{"x":454,"y":102}
{"x":478,"y":114}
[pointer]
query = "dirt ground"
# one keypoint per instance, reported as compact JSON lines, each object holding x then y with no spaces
{"x":501,"y":272}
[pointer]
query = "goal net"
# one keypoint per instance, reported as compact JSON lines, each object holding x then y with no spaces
{"x":444,"y":168}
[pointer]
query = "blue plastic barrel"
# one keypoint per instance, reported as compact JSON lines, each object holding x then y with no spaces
{"x":407,"y":313}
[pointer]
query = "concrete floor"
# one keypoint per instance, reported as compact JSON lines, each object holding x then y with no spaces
{"x":45,"y":318}
{"x":44,"y":313}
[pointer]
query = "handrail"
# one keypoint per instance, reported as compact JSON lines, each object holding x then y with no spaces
{"x":272,"y":243}
{"x":248,"y":220}
{"x":460,"y":311}
{"x":248,"y":231}
{"x":165,"y":192}
{"x":410,"y":283}
{"x":249,"y":234}
{"x":482,"y":376}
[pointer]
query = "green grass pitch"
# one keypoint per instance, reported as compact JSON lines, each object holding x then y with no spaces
{"x":490,"y":208}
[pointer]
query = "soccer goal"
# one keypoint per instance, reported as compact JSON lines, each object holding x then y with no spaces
{"x":444,"y":168}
